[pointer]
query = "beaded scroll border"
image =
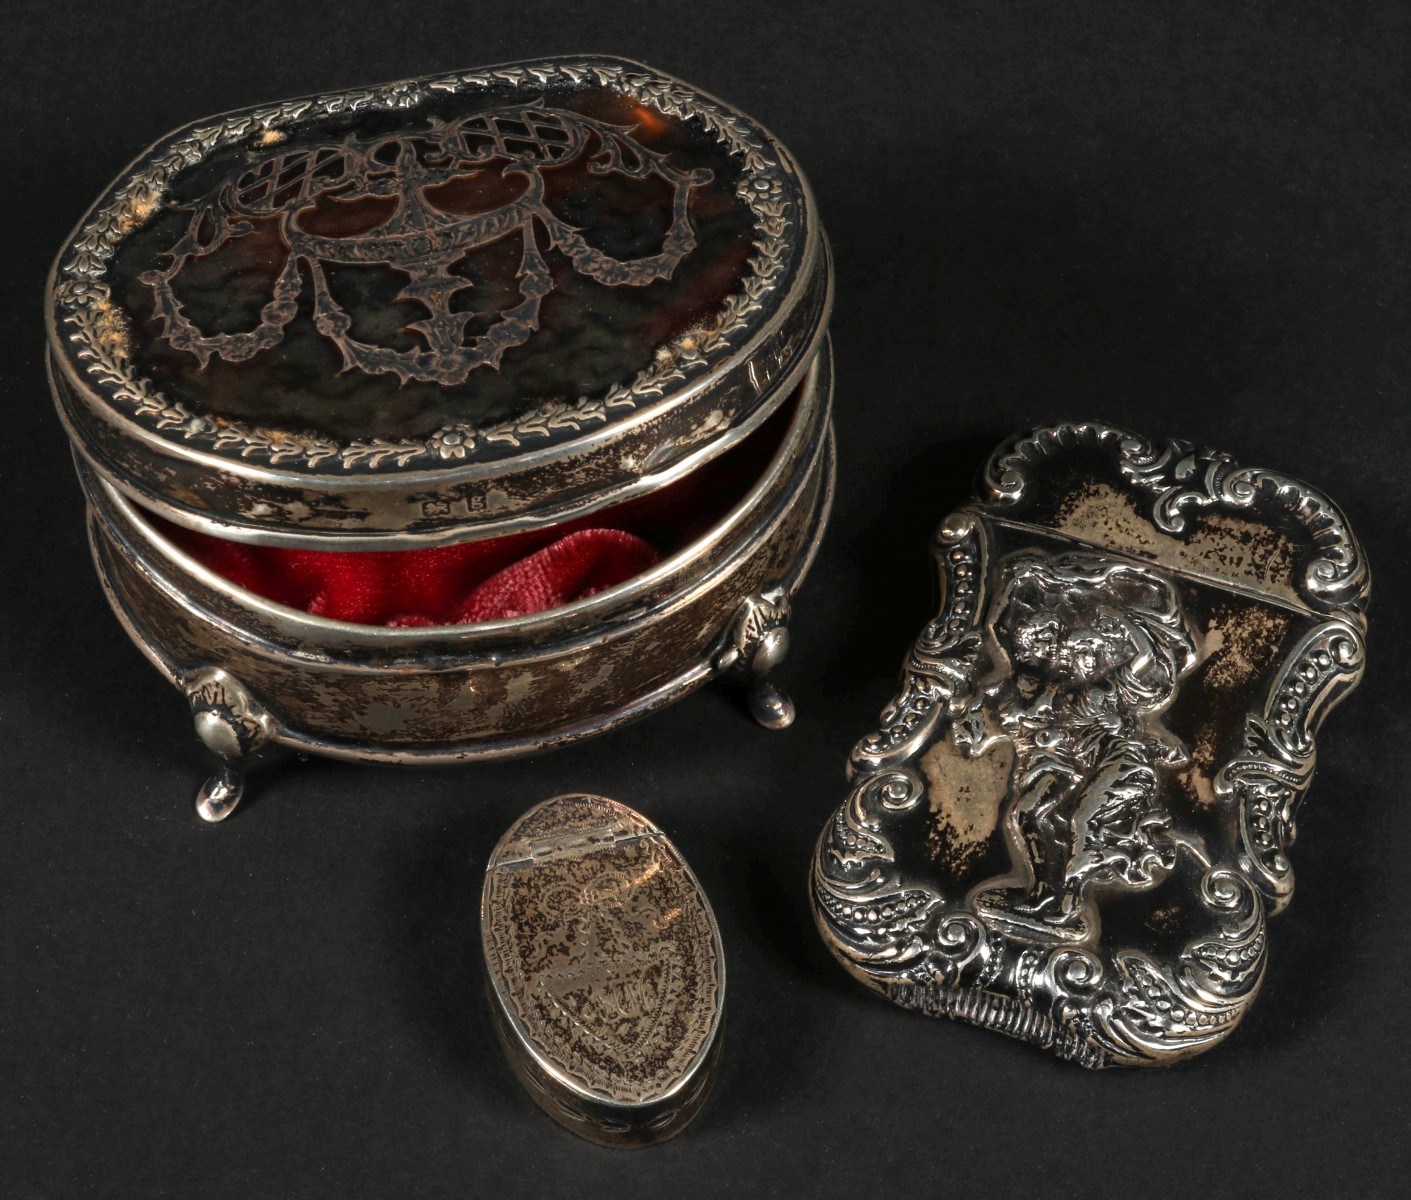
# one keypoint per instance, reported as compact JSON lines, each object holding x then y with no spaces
{"x":83,"y":300}
{"x":923,"y":951}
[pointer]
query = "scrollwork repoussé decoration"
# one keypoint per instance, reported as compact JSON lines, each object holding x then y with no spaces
{"x":1181,"y":477}
{"x":1019,"y":953}
{"x":1268,"y":779}
{"x":941,"y":953}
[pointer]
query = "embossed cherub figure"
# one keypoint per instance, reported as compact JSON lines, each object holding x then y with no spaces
{"x":1088,"y":651}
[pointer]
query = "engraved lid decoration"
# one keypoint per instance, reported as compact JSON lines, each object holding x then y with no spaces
{"x":605,"y":967}
{"x":1076,"y":817}
{"x":433,"y":279}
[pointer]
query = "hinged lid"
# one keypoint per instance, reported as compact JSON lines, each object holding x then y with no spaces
{"x":489,"y":300}
{"x":606,"y":974}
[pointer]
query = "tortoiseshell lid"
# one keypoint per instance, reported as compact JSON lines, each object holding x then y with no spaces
{"x":491,"y":299}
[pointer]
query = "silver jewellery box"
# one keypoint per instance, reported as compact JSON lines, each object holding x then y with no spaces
{"x":1075,"y":822}
{"x":451,"y":419}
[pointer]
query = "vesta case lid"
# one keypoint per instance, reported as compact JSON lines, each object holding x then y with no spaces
{"x":490,"y":299}
{"x":606,"y":973}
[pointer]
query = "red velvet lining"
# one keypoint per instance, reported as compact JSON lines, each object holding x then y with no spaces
{"x":445,"y":585}
{"x":498,"y":577}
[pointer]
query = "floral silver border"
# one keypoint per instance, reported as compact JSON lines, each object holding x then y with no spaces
{"x":100,"y":332}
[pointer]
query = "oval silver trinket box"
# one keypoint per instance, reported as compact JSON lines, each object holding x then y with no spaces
{"x":319,"y":359}
{"x":605,"y":970}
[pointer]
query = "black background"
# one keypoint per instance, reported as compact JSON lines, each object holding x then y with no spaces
{"x":1189,"y":219}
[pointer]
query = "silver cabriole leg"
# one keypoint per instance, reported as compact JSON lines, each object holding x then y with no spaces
{"x":755,"y":643}
{"x":233,"y":725}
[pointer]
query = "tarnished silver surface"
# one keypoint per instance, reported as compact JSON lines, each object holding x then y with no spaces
{"x":232,"y":725}
{"x":282,"y":482}
{"x":459,"y":693}
{"x":433,"y":312}
{"x":757,"y":642}
{"x":1075,"y":819}
{"x":605,"y":970}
